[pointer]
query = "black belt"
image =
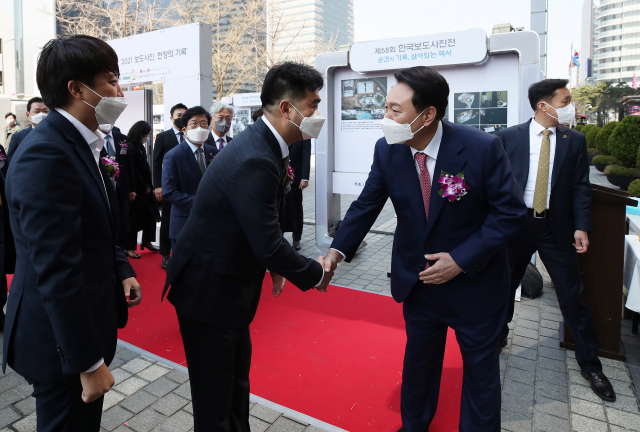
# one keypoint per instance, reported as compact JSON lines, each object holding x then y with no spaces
{"x":543,"y":215}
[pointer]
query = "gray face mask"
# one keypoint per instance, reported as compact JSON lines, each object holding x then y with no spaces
{"x":222,"y":126}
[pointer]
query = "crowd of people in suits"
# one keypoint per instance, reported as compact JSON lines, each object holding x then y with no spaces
{"x":69,"y":223}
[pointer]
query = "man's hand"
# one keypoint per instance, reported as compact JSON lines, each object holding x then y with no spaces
{"x":132,"y":291}
{"x":96,"y":383}
{"x":328,"y":275}
{"x":304,"y":184}
{"x":158,"y":192}
{"x":582,"y":241}
{"x":147,"y":191}
{"x":331,"y":261}
{"x":442,"y":271}
{"x":132,"y":196}
{"x":278,"y":284}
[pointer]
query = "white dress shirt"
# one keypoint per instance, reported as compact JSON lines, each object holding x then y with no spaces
{"x":177,"y":134}
{"x":104,"y":139}
{"x":96,"y":142}
{"x":535,"y":144}
{"x":284,"y":148}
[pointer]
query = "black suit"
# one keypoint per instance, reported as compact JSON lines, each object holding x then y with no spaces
{"x":16,"y":139}
{"x":7,"y":247}
{"x":66,"y":301}
{"x":165,"y":142}
{"x":300,"y":161}
{"x":553,"y":237}
{"x":231,"y":237}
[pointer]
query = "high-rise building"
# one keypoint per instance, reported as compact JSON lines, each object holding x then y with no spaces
{"x":586,"y":45}
{"x":616,"y":40}
{"x":299,"y":29}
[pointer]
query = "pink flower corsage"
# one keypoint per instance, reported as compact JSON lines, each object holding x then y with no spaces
{"x":290,"y":175}
{"x":113,"y":169}
{"x":453,"y":187}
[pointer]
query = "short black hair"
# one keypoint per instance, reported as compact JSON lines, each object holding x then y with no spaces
{"x":178,"y":106}
{"x":32,"y":100}
{"x":10,"y":114}
{"x":194,"y":111}
{"x":430,"y":89}
{"x":545,"y":90}
{"x":77,"y":57}
{"x":137,"y":131}
{"x":257,"y":114}
{"x":289,"y":81}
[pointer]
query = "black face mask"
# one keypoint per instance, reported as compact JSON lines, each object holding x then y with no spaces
{"x":222,"y":127}
{"x":178,"y":124}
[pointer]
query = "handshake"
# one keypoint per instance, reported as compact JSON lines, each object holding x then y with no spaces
{"x":328,"y":263}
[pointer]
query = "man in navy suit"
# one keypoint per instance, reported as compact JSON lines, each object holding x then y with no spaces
{"x":68,"y":295}
{"x":36,"y":111}
{"x":449,"y":263}
{"x":184,"y":166}
{"x":551,"y":167}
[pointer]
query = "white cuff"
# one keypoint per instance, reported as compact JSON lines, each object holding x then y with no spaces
{"x":95,"y":366}
{"x":321,"y":279}
{"x":344,"y":257}
{"x":304,"y":180}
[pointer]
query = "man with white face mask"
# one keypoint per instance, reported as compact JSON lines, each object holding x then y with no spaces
{"x":36,"y":111}
{"x":69,"y":297}
{"x":233,"y":234}
{"x":551,"y":166}
{"x":183,"y":168}
{"x":458,"y":205}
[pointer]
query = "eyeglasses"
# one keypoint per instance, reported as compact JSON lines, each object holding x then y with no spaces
{"x":203,"y":125}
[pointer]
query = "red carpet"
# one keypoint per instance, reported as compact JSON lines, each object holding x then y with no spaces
{"x":336,"y":357}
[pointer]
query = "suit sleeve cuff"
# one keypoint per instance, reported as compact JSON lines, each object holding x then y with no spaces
{"x":321,"y":279}
{"x":305,"y":180}
{"x":344,"y":257}
{"x":95,"y":366}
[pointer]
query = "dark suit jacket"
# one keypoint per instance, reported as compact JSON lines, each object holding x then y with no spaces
{"x":570,"y":201}
{"x":180,"y":179}
{"x":233,"y":235}
{"x":165,"y":142}
{"x":474,"y":230}
{"x":7,"y":245}
{"x":16,"y":139}
{"x":300,"y":160}
{"x":213,"y":140}
{"x":66,"y":300}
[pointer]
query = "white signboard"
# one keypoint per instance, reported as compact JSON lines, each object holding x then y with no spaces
{"x":247,"y":100}
{"x":463,"y":47}
{"x":159,"y":55}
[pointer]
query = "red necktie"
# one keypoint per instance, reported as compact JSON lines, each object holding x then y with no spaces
{"x":425,"y":181}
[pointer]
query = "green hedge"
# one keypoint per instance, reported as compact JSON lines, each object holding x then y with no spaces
{"x":578,"y":128}
{"x":593,"y":151}
{"x":625,"y":140}
{"x":605,"y":160}
{"x":622,"y":171}
{"x":634,"y":189}
{"x":602,"y":139}
{"x":587,"y":128}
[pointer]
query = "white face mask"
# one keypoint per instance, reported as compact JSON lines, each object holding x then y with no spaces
{"x":566,"y":114}
{"x":108,"y":109}
{"x":10,"y":121}
{"x":198,"y":136}
{"x":310,"y":126}
{"x":37,"y":118}
{"x":106,"y":128}
{"x":397,"y":133}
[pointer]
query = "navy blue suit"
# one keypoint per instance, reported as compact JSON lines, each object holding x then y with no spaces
{"x":66,"y":301}
{"x":474,"y":231}
{"x":553,"y":237}
{"x":16,"y":139}
{"x":181,"y":176}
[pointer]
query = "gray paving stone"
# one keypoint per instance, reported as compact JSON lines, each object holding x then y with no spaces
{"x":284,"y":424}
{"x":624,"y":403}
{"x":616,"y":374}
{"x":169,"y":404}
{"x":551,"y":391}
{"x":549,"y":324}
{"x":146,"y":420}
{"x":533,"y":325}
{"x":27,"y":406}
{"x":623,"y":419}
{"x":177,"y":376}
{"x":258,"y":425}
{"x":548,"y":423}
{"x":547,"y":332}
{"x":9,"y":398}
{"x":130,"y":386}
{"x":126,"y":355}
{"x":528,"y":353}
{"x":179,"y":422}
{"x":27,"y":424}
{"x":549,"y":342}
{"x":120,"y":375}
{"x":24,"y":390}
{"x":586,"y":424}
{"x":112,"y":398}
{"x":312,"y":428}
{"x":552,"y":406}
{"x":184,"y":390}
{"x":116,"y":363}
{"x":153,"y":372}
{"x":161,"y":387}
{"x":522,"y":363}
{"x":521,"y":376}
{"x":552,"y":377}
{"x":588,"y":409}
{"x":264,"y":413}
{"x":114,"y":417}
{"x":584,"y":392}
{"x":550,"y":352}
{"x":515,"y":423}
{"x":10,"y":381}
{"x":139,"y":401}
{"x":136,"y":365}
{"x":551,"y":364}
{"x":526,"y":332}
{"x":189,"y":407}
{"x":525,"y":342}
{"x":521,"y":407}
{"x":296,"y":420}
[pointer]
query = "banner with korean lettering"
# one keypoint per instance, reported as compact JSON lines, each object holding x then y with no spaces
{"x":159,"y":55}
{"x":463,"y":47}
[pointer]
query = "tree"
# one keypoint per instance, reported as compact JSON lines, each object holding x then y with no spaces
{"x":601,"y":99}
{"x":625,"y":140}
{"x":602,"y":139}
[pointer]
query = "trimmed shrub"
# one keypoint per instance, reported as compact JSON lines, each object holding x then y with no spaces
{"x":586,"y":128}
{"x":625,"y":140}
{"x":622,"y":171}
{"x":605,"y":160}
{"x":602,"y":139}
{"x":593,"y":151}
{"x":591,"y":135}
{"x":578,"y":128}
{"x":634,"y":189}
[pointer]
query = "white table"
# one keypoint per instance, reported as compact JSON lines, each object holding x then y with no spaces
{"x":631,"y":275}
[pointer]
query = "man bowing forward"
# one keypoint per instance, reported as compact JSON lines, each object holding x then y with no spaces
{"x":458,"y":205}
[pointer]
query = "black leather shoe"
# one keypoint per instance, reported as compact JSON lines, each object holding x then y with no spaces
{"x":296,"y":246}
{"x":149,"y":247}
{"x":600,"y":385}
{"x":165,"y":262}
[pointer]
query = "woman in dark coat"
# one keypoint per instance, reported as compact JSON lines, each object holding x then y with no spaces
{"x":144,"y":212}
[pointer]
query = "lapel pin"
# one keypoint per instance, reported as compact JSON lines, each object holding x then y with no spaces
{"x":564,"y":136}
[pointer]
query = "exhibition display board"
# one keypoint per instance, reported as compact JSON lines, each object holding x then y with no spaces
{"x":245,"y":104}
{"x":488,"y":80}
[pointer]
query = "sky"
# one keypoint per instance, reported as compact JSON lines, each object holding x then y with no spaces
{"x":377,"y":19}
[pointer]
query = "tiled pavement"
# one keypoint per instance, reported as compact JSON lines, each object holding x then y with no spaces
{"x":541,"y":384}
